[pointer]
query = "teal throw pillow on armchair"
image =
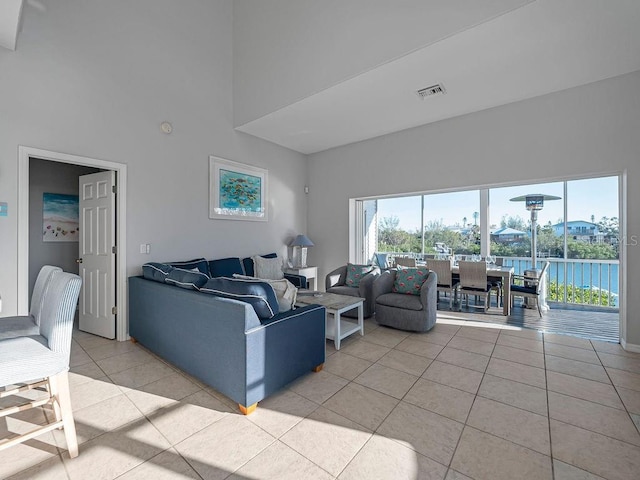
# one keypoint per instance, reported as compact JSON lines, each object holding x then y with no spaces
{"x":355,"y":273}
{"x":409,"y":280}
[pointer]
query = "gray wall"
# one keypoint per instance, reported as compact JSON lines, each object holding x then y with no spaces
{"x":50,"y":177}
{"x":96,"y":79}
{"x":585,"y":131}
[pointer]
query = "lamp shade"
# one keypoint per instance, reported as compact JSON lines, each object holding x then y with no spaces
{"x":301,"y":241}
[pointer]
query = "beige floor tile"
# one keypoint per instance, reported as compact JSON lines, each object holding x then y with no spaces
{"x":114,"y":453}
{"x":327,"y":439}
{"x":382,"y":458}
{"x":629,"y":364}
{"x":453,"y":475}
{"x":447,"y":328}
{"x":386,"y":380}
{"x":279,"y":462}
{"x":564,"y":471}
{"x":85,"y":373}
{"x":568,"y":340}
{"x":441,"y":399}
{"x":223,"y":447}
{"x":595,"y":453}
{"x":636,"y":419}
{"x":100,"y":418}
{"x":94,"y":391}
{"x":576,"y":368}
{"x":346,"y":366}
{"x":524,"y":333}
{"x":279,"y":412}
{"x":631,"y":399}
{"x":476,"y":457}
{"x":477,"y":333}
{"x":593,"y":416}
{"x":318,"y":387}
{"x":168,"y":465}
{"x":362,"y":405}
{"x":585,"y":389}
{"x":464,"y":359}
{"x":387,"y":337}
{"x":52,"y":469}
{"x":88,"y":341}
{"x":573,"y":353}
{"x":419,"y":347}
{"x":26,"y":455}
{"x":517,"y":372}
{"x":457,"y":377}
{"x":365,"y":350}
{"x":521,"y":343}
{"x":521,"y":395}
{"x":125,"y":361}
{"x":147,"y":403}
{"x":174,"y":386}
{"x":613,"y":348}
{"x":471,"y":345}
{"x":114,"y":348}
{"x":519,"y":355}
{"x":179,"y":420}
{"x":141,"y":374}
{"x":433,"y":337}
{"x":525,"y":428}
{"x":426,"y":432}
{"x":621,"y":378}
{"x":78,"y":356}
{"x":405,"y":362}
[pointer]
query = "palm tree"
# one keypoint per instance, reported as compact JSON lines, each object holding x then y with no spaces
{"x":464,"y":222}
{"x":475,"y":218}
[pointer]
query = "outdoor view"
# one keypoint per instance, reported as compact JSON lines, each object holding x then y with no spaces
{"x":583,"y":250}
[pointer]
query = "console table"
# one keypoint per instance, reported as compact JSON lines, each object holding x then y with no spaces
{"x":311,"y":273}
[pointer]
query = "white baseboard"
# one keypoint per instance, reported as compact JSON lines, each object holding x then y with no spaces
{"x":630,"y":347}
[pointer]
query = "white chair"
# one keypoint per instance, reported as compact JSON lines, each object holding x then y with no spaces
{"x":532,"y":287}
{"x":473,"y":281}
{"x":30,"y":359}
{"x":404,"y":262}
{"x":446,"y":284}
{"x":24,"y":325}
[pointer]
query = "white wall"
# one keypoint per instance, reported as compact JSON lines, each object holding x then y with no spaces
{"x":96,"y":78}
{"x":287,"y":50}
{"x":588,"y":130}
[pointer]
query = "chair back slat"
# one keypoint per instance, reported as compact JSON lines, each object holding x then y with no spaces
{"x":58,"y":310}
{"x":473,"y":274}
{"x":405,"y":261}
{"x":38,"y":290}
{"x":442,"y":269}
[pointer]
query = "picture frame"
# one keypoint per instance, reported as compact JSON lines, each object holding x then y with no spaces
{"x":237,"y":191}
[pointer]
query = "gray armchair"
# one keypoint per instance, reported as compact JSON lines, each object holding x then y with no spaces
{"x":415,"y":313}
{"x":335,"y":282}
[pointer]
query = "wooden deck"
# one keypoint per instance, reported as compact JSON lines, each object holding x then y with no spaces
{"x":597,"y":323}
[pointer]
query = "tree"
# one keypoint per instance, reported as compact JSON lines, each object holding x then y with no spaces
{"x":475,"y":218}
{"x":517,"y":223}
{"x":464,"y":222}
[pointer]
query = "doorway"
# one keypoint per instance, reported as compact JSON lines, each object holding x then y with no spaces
{"x":27,"y":155}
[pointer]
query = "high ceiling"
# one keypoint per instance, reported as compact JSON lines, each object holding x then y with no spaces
{"x":541,"y":47}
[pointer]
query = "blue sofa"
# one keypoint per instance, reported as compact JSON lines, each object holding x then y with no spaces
{"x":222,"y":341}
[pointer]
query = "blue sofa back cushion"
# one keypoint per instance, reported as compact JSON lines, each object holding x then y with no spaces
{"x":225,"y":267}
{"x":200,"y":263}
{"x":259,"y":294}
{"x":156,"y":271}
{"x":186,"y":279}
{"x":248,"y":264}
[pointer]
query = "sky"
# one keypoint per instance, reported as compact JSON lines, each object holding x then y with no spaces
{"x":598,"y":197}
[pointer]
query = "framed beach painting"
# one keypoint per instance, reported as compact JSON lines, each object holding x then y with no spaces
{"x":60,"y":218}
{"x":237,"y":191}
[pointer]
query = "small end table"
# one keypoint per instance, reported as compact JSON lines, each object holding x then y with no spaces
{"x":311,"y":273}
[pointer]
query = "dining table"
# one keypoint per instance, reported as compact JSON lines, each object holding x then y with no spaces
{"x":502,"y":273}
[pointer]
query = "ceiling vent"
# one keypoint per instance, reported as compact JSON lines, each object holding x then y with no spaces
{"x":437,"y":89}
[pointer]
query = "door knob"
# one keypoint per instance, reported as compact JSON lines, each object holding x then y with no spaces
{"x":78,"y":260}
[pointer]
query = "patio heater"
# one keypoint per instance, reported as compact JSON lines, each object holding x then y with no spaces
{"x":534,"y":203}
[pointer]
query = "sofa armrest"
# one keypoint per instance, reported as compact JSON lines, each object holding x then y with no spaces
{"x":299,"y":281}
{"x":429,"y":289}
{"x":365,"y":288}
{"x":335,"y":277}
{"x":383,"y":283}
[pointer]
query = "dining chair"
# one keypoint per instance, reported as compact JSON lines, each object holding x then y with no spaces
{"x":446,"y":283}
{"x":42,"y":362}
{"x":473,"y":281}
{"x":531,"y":287}
{"x":23,"y":325}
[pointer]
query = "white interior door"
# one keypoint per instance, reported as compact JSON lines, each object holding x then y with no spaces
{"x":97,"y":254}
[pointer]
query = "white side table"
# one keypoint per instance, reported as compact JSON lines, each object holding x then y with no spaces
{"x":310,"y":272}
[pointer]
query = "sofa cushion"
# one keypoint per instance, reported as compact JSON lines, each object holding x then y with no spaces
{"x":225,"y":267}
{"x":286,"y":292}
{"x":186,"y":278}
{"x":270,"y":268}
{"x":409,"y":280}
{"x":400,"y":300}
{"x":259,"y":295}
{"x":344,"y":290}
{"x":197,"y":263}
{"x":247,"y":263}
{"x":355,"y":273}
{"x":156,"y":271}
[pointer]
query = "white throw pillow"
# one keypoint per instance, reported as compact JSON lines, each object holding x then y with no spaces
{"x":270,"y":268}
{"x":285,"y":291}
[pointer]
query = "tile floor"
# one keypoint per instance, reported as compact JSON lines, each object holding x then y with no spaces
{"x":464,"y":401}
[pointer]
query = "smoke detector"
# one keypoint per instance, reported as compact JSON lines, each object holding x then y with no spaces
{"x":437,"y":89}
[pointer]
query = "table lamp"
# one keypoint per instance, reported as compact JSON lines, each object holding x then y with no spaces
{"x":300,"y":244}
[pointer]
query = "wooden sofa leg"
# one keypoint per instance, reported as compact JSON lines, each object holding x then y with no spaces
{"x":133,"y":340}
{"x":248,"y":410}
{"x":318,"y":367}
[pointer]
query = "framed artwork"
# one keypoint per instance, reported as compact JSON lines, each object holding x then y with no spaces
{"x":237,"y":191}
{"x":60,"y":218}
